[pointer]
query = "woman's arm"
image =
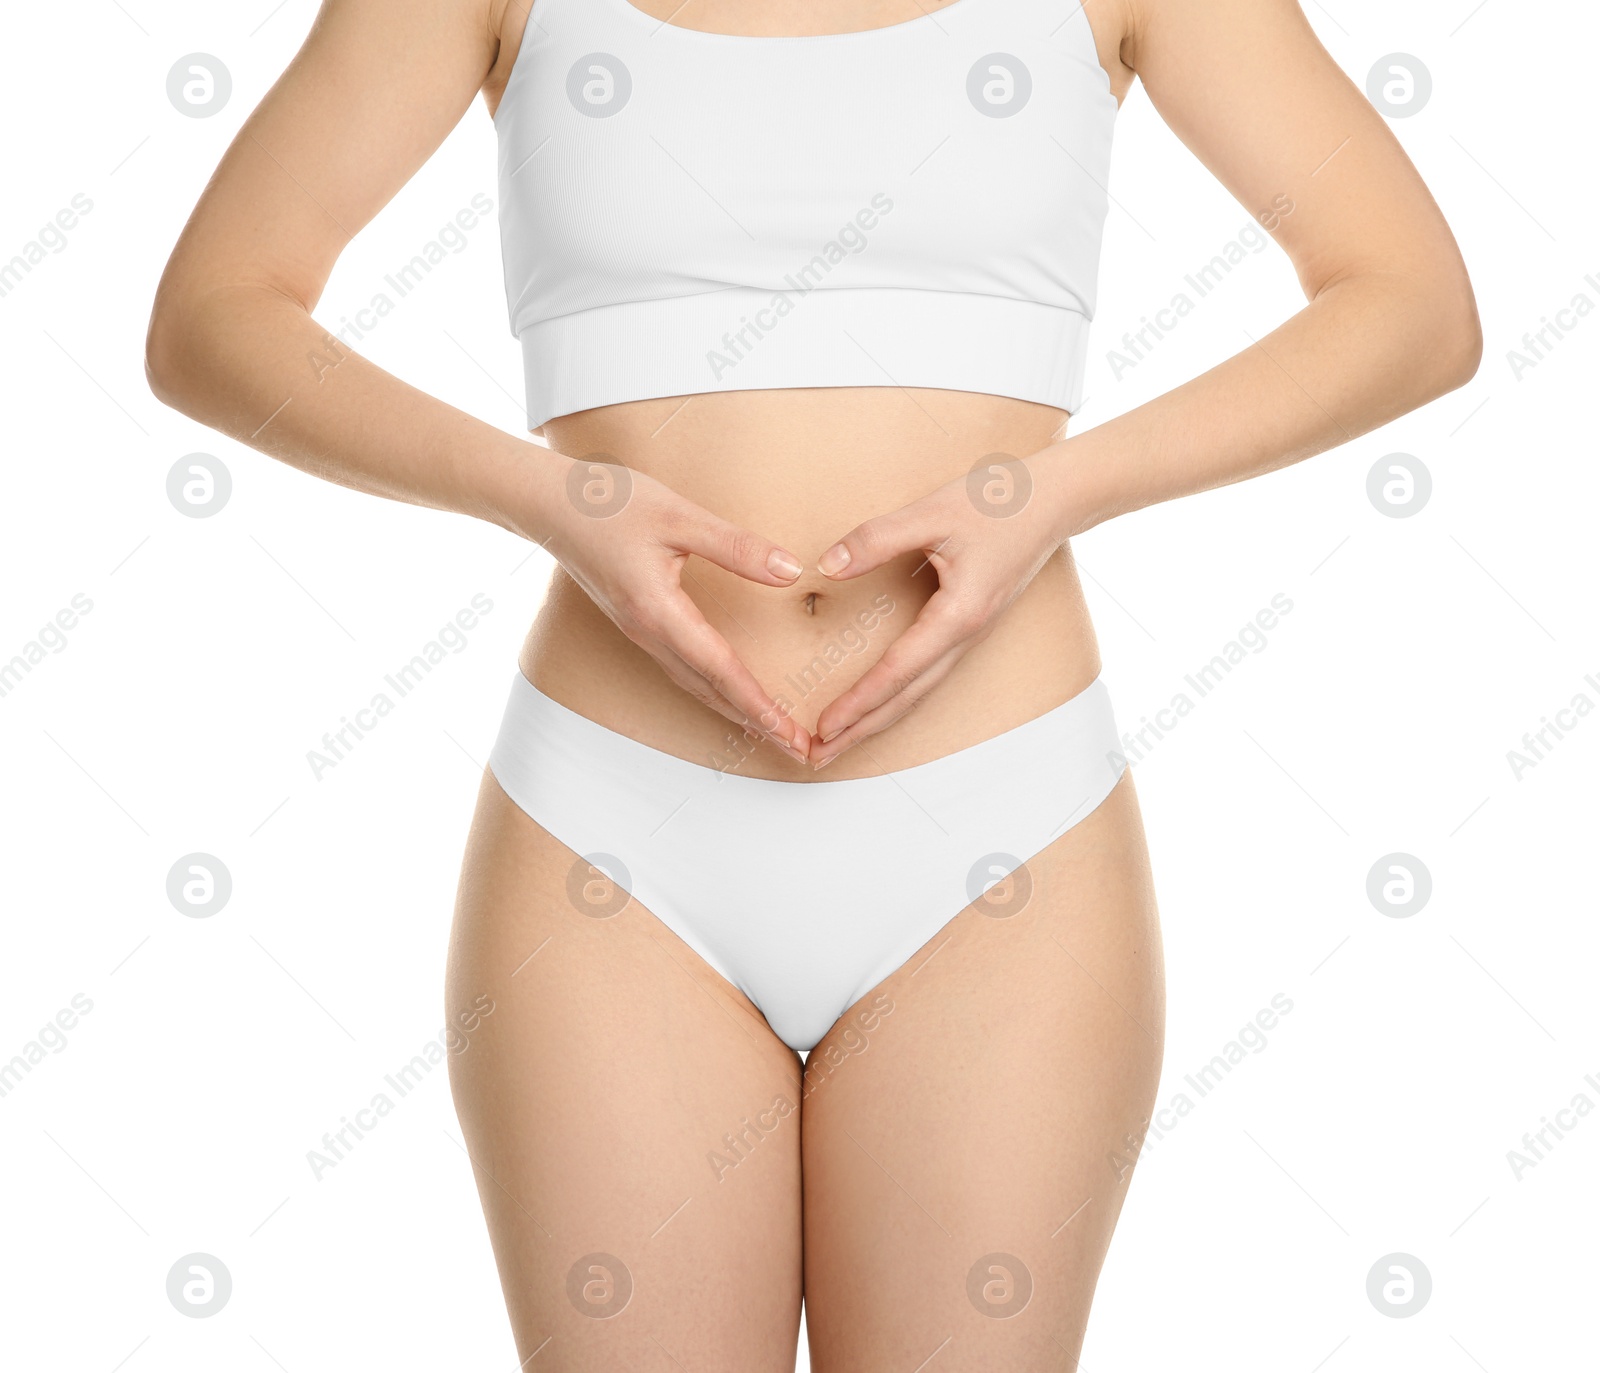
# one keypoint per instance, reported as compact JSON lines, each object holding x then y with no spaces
{"x":373,"y":92}
{"x":1390,"y":324}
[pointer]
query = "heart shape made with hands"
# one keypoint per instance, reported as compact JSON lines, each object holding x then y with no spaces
{"x":980,"y":534}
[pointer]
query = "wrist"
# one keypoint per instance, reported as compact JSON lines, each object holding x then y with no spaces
{"x":530,"y":491}
{"x":1059,"y":471}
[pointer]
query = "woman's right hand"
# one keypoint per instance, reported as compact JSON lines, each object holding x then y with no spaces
{"x":624,"y":537}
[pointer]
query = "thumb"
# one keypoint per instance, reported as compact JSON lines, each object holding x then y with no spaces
{"x":738,"y":550}
{"x":877,"y":541}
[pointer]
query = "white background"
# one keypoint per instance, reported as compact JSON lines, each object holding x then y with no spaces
{"x":177,"y":718}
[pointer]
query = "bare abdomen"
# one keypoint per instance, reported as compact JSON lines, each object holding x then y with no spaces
{"x":803,"y":467}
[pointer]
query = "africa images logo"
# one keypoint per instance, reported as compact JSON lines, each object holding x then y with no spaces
{"x":850,"y":239}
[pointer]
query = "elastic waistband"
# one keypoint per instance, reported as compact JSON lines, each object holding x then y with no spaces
{"x":540,"y":736}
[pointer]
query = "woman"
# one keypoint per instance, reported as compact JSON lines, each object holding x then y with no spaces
{"x":803,"y":293}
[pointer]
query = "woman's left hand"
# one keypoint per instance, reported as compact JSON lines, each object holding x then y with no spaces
{"x":986,"y":534}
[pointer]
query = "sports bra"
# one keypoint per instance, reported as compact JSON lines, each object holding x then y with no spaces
{"x":918,"y":205}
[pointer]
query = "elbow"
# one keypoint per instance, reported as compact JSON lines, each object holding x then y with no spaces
{"x":1460,"y":345}
{"x":180,"y":339}
{"x":203,"y":340}
{"x":164,"y":353}
{"x":1432,"y":336}
{"x":1447,"y":311}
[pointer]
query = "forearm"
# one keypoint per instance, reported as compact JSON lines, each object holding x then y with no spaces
{"x":253,"y":364}
{"x":1363,"y":352}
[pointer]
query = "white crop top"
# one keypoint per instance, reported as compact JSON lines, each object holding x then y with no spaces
{"x":919,"y":205}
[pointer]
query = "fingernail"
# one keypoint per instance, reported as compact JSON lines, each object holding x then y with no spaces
{"x":831,"y":735}
{"x":836,"y":559}
{"x":817,"y":767}
{"x":782,"y":564}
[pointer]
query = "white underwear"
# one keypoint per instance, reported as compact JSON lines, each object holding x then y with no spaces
{"x":804,"y":895}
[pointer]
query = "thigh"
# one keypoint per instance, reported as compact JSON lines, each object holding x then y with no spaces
{"x":632,"y":1121}
{"x":965,"y":1149}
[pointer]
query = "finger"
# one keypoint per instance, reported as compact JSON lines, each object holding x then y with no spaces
{"x":941,"y":626}
{"x":657,"y":630}
{"x":738,"y":550}
{"x":684,"y":676}
{"x":891,"y":710}
{"x":923,"y":524}
{"x":694,"y":684}
{"x":688,"y":634}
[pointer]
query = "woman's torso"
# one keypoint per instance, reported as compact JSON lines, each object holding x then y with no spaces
{"x":802,"y":467}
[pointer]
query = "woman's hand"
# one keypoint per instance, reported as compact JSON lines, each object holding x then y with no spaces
{"x":624,"y":538}
{"x":986,"y":534}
